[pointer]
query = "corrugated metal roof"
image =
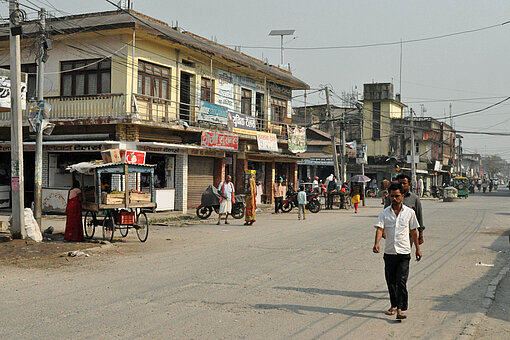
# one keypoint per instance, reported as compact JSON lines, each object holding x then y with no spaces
{"x":122,"y":19}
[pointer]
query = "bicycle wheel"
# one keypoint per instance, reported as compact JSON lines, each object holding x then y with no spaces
{"x":142,"y":226}
{"x":108,"y":227}
{"x":89,"y":224}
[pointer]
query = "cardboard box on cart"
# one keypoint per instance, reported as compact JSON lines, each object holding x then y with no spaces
{"x":112,"y":156}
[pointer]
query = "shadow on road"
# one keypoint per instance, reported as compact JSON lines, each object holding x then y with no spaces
{"x":360,"y":295}
{"x":299,"y":309}
{"x":463,"y":301}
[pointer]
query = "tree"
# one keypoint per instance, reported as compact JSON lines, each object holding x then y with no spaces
{"x":493,"y":165}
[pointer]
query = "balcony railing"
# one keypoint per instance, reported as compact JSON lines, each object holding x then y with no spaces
{"x":144,"y":108}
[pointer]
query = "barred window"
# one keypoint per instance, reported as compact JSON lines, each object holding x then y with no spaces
{"x":153,"y":80}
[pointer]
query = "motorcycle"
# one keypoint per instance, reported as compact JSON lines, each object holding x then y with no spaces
{"x":437,"y":191}
{"x":211,"y":201}
{"x":312,"y":198}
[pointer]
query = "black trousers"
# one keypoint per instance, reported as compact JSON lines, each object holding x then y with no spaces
{"x":396,"y":270}
{"x":329,"y":204}
{"x":278,"y":203}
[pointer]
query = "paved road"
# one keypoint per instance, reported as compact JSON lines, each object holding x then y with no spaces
{"x":280,"y":279}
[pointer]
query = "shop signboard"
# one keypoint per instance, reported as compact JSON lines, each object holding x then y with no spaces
{"x":134,"y":157}
{"x":225,"y":90}
{"x":212,"y":113}
{"x":241,"y":123}
{"x":216,"y":140}
{"x":267,"y":141}
{"x":5,"y":90}
{"x":361,"y":154}
{"x":297,"y":139}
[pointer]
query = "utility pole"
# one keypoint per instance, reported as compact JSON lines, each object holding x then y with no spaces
{"x":344,"y":158}
{"x":332,"y":133}
{"x":39,"y":131}
{"x":361,"y":123}
{"x":17,"y":180}
{"x":413,"y":149}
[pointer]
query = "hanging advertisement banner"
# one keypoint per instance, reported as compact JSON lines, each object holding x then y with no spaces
{"x":267,"y":141}
{"x":361,"y":154}
{"x":240,"y":123}
{"x":225,"y":90}
{"x":351,"y":149}
{"x":5,"y":90}
{"x":212,"y":113}
{"x":297,"y":139}
{"x":216,"y":140}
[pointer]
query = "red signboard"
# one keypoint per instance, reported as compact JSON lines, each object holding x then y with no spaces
{"x":218,"y":140}
{"x":133,"y":157}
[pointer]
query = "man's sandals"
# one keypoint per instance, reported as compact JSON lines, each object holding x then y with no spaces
{"x":391,"y":311}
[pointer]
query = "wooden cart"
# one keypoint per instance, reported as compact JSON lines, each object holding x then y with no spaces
{"x":122,"y":210}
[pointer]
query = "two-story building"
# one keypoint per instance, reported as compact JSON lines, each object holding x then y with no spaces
{"x":120,"y":79}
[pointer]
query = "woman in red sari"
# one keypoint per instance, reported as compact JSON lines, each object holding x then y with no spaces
{"x":74,"y":228}
{"x":251,"y":205}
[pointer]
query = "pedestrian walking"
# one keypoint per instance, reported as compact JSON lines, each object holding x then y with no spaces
{"x":398,"y":221}
{"x":279,"y":191}
{"x":385,"y":184}
{"x":74,"y":228}
{"x":227,"y":198}
{"x":412,"y":201}
{"x":301,"y":199}
{"x":332,"y":191}
{"x":251,"y":204}
{"x":419,"y":187}
{"x":356,"y":197}
{"x":260,"y":191}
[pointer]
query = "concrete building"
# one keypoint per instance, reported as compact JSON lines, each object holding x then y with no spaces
{"x":120,"y":79}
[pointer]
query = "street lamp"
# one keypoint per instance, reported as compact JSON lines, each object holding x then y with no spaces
{"x":281,"y":33}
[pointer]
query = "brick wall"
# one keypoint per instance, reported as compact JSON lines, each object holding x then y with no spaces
{"x":269,"y":180}
{"x":127,"y":132}
{"x":45,"y":169}
{"x":181,"y":183}
{"x":219,"y":171}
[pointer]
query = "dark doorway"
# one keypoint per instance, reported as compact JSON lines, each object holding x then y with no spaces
{"x":185,"y":93}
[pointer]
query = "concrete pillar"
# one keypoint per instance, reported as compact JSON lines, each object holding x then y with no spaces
{"x":293,"y":175}
{"x":181,"y":183}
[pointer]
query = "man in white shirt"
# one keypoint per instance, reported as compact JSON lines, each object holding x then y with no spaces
{"x":398,"y":221}
{"x":227,"y":198}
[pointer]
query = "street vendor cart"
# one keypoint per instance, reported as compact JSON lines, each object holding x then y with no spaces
{"x":123,"y":209}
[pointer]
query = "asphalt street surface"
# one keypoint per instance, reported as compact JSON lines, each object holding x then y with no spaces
{"x":278,"y":279}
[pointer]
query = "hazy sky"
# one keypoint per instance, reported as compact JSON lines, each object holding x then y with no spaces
{"x":465,"y":70}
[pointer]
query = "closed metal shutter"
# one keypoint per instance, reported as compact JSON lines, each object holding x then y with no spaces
{"x":200,"y":176}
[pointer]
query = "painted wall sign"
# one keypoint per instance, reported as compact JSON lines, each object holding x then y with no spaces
{"x":207,"y":153}
{"x":297,"y":139}
{"x":240,"y":123}
{"x":225,"y":88}
{"x":267,"y":141}
{"x":212,"y":113}
{"x":160,"y":149}
{"x":216,"y":140}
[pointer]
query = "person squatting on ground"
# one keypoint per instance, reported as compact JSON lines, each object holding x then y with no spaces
{"x":412,"y":201}
{"x":279,"y":191}
{"x":227,"y":199}
{"x":398,"y":221}
{"x":251,"y":204}
{"x":301,"y":200}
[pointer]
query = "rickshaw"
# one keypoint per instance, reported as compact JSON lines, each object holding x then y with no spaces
{"x":122,"y":210}
{"x":462,"y":186}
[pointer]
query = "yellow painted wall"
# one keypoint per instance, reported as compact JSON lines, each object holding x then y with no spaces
{"x":379,"y":147}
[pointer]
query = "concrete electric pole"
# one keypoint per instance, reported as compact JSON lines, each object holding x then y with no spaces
{"x":413,"y":149}
{"x":344,"y":156}
{"x":39,"y":139}
{"x":359,"y":106}
{"x":17,"y":180}
{"x":332,"y":133}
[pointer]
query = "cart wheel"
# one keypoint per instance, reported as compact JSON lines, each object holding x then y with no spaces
{"x":142,"y":226}
{"x":108,"y":227}
{"x":124,"y":230}
{"x":89,"y":224}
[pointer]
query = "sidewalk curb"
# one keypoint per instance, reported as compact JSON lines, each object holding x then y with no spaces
{"x":469,"y":330}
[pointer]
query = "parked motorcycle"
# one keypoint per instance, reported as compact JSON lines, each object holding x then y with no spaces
{"x":211,"y":201}
{"x":437,"y":191}
{"x":312,"y":198}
